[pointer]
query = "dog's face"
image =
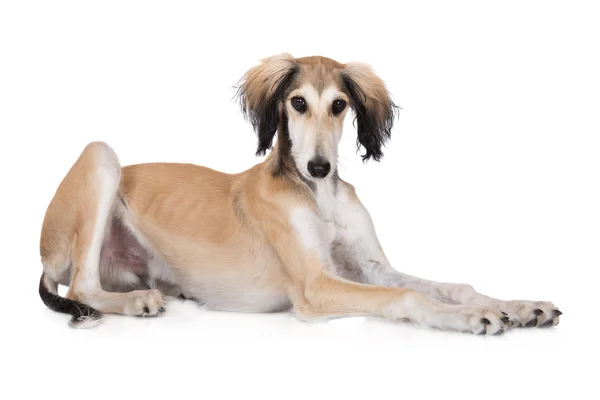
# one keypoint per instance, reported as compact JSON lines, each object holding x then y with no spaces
{"x":315,"y":105}
{"x":307,"y":100}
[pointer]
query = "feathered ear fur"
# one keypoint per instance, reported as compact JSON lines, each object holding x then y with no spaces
{"x":374,"y":109}
{"x":260,"y":93}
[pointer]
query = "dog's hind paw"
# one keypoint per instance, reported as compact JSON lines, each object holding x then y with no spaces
{"x":145,"y":303}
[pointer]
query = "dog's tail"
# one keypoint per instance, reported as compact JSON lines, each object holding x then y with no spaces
{"x":83,"y":316}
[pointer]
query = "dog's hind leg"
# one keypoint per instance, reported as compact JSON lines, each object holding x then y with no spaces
{"x":73,"y":232}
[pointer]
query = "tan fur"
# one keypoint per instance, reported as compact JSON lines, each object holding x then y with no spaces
{"x":375,"y":92}
{"x":68,"y":229}
{"x":67,"y":218}
{"x":232,"y":230}
{"x":260,"y":81}
{"x":319,"y":72}
{"x":213,"y":234}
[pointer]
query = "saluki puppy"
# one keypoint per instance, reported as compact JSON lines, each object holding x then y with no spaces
{"x":288,"y":233}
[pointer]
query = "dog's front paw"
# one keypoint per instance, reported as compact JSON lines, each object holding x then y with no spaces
{"x":529,"y":314}
{"x":468,"y":319}
{"x":482,"y":321}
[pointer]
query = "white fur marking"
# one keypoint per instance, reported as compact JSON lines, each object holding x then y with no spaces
{"x":310,"y":133}
{"x":108,"y":172}
{"x":86,"y":322}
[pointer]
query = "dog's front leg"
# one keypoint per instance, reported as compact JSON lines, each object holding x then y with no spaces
{"x":359,"y":256}
{"x":303,"y":245}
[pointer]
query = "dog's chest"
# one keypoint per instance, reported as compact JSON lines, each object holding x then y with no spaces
{"x":326,"y":195}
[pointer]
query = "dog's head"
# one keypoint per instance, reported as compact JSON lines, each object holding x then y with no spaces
{"x":310,"y":96}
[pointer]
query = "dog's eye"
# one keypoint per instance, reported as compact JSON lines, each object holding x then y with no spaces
{"x":299,"y":104}
{"x":338,"y":106}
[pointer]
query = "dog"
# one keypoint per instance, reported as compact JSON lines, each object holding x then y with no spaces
{"x":287,"y":234}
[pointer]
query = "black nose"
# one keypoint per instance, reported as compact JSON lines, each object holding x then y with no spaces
{"x":319,"y":167}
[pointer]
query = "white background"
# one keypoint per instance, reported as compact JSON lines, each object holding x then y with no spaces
{"x":491,"y":178}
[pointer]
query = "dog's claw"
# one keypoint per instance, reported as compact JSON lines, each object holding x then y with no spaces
{"x":547,"y":324}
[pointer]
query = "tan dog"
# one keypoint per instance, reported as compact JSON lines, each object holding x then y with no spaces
{"x":288,"y":233}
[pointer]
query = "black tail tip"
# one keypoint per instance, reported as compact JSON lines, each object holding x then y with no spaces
{"x":83,"y":316}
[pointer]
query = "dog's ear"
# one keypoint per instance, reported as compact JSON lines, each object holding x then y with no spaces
{"x":260,"y":93}
{"x":374,"y":109}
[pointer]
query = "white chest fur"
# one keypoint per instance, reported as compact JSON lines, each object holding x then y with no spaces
{"x":318,"y":231}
